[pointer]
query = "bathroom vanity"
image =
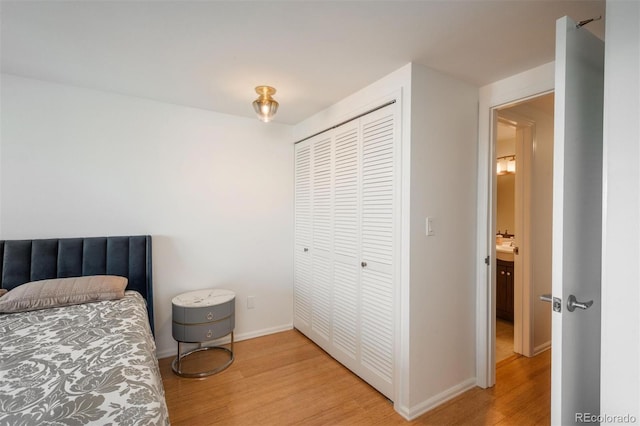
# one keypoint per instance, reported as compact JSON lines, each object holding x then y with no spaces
{"x":504,"y":290}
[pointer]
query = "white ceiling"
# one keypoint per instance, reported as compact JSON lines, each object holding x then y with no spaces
{"x":211,"y":54}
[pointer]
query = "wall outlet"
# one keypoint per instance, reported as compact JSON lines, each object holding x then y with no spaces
{"x":251,"y":302}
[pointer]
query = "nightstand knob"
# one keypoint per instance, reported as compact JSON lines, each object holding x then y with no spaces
{"x":209,"y":334}
{"x":210,"y":316}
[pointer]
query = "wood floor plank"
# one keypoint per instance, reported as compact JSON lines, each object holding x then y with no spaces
{"x":504,"y":339}
{"x":285,"y":379}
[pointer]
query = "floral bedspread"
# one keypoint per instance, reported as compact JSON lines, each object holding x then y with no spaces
{"x":85,"y":364}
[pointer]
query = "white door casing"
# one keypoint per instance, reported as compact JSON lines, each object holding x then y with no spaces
{"x":577,"y":222}
{"x":529,"y":84}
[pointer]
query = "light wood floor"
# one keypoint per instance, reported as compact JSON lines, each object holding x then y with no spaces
{"x":285,"y":379}
{"x":504,"y":340}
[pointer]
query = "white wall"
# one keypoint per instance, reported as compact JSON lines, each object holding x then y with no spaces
{"x":215,"y":191}
{"x":506,"y":183}
{"x":443,"y":177}
{"x":506,"y":204}
{"x":620,"y":369}
{"x":396,"y":85}
{"x":505,"y":146}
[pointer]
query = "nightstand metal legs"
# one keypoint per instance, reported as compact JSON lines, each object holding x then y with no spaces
{"x":176,"y":365}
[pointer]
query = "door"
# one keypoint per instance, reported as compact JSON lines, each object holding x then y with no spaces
{"x":302,"y":256}
{"x":577,"y":223}
{"x":346,"y":244}
{"x":378,"y":238}
{"x":322,"y":241}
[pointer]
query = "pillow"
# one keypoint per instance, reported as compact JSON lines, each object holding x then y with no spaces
{"x":62,"y":292}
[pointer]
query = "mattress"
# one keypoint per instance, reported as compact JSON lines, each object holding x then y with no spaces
{"x":84,"y":364}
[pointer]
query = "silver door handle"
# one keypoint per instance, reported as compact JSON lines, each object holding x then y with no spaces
{"x":555,"y":301}
{"x":546,"y":298}
{"x":572,"y":303}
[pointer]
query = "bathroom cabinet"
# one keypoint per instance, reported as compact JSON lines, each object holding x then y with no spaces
{"x":504,"y":290}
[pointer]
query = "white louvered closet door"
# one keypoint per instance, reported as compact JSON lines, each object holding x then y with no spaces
{"x":302,"y":257}
{"x":322,"y":247}
{"x":346,"y":244}
{"x":346,"y":213}
{"x":378,"y":234}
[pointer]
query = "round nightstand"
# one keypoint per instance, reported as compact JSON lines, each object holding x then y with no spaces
{"x":201,"y":316}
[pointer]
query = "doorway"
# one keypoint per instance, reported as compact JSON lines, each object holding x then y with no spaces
{"x":509,"y":92}
{"x":522,"y":216}
{"x":507,"y":165}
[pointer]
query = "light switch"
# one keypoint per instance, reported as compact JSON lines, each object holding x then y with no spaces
{"x":430,"y":230}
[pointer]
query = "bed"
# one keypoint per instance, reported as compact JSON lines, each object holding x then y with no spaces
{"x":86,"y":363}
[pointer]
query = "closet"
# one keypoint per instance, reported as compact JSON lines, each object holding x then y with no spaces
{"x":346,"y":243}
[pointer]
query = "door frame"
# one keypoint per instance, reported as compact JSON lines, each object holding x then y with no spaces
{"x":520,"y":87}
{"x":523,"y":286}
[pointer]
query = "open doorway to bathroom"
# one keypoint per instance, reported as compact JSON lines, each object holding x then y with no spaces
{"x":506,"y":169}
{"x":523,"y":215}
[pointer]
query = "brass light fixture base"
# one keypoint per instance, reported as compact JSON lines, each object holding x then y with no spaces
{"x":265,"y":106}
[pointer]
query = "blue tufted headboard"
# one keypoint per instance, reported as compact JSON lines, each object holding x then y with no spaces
{"x":23,"y":261}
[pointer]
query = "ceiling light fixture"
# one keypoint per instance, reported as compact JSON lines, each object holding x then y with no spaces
{"x":506,"y":165}
{"x":265,"y":105}
{"x":511,"y":165}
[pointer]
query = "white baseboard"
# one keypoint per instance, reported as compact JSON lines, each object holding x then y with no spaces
{"x":411,"y":413}
{"x":263,"y":332}
{"x":236,"y":337}
{"x":541,"y":348}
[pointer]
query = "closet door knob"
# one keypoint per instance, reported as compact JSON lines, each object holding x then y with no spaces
{"x":306,"y":249}
{"x":363,"y":264}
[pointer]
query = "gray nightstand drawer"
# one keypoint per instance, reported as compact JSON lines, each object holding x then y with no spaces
{"x":203,"y":332}
{"x":205,"y":314}
{"x":202,"y":316}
